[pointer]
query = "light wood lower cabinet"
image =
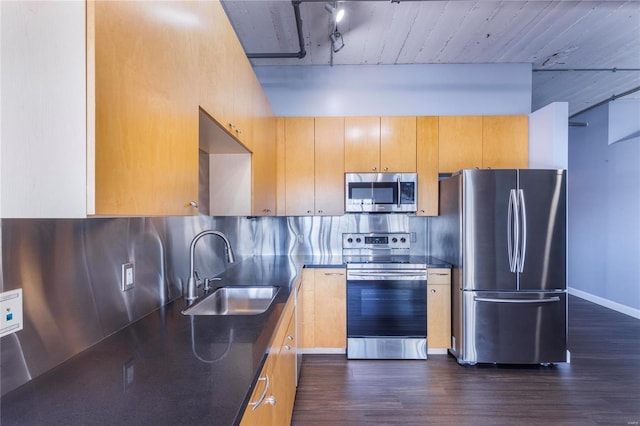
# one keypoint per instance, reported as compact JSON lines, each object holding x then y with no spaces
{"x":271,"y":402}
{"x":324,"y":313}
{"x":438,"y":308}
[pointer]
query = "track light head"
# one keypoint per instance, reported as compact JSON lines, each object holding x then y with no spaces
{"x":337,"y":13}
{"x":336,"y":41}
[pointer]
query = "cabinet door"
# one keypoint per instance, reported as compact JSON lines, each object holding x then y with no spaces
{"x":280,"y":168}
{"x":285,"y":377}
{"x":146,"y":115}
{"x":362,"y":144}
{"x":299,"y":166}
{"x":263,"y":161}
{"x":246,"y":87}
{"x":307,"y":310}
{"x":398,"y":144}
{"x":427,"y":165}
{"x":505,"y":142}
{"x":330,"y":298}
{"x":460,"y":143}
{"x":329,"y":166}
{"x":217,"y":81}
{"x":438,"y":308}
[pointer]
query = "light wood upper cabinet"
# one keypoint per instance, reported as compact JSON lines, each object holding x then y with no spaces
{"x":397,"y":144}
{"x":299,"y":166}
{"x":329,"y":165}
{"x":227,"y":82}
{"x":263,"y":161}
{"x":380,"y":144}
{"x":427,"y":165}
{"x":362,"y":144}
{"x":505,"y":142}
{"x":146,"y":109}
{"x":217,"y":54}
{"x":460,"y":145}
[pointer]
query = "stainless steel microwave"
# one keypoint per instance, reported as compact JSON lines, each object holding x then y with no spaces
{"x":381,"y":192}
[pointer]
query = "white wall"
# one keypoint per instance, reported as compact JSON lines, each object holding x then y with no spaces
{"x":43,"y":111}
{"x":431,"y":89}
{"x":549,"y":137}
{"x":604,"y":214}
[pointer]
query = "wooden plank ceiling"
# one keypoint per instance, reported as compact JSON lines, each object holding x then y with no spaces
{"x":547,"y":34}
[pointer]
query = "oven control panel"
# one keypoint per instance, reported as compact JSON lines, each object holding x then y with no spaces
{"x":376,"y":241}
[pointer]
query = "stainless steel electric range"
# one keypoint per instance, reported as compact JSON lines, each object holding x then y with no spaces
{"x":386,"y":297}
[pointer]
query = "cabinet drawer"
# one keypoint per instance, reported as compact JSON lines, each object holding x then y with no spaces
{"x":438,"y":276}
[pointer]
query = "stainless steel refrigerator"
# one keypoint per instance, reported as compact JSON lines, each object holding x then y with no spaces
{"x":504,"y":232}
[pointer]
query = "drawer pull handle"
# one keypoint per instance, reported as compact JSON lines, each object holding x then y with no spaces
{"x":329,"y":274}
{"x":264,"y":393}
{"x":289,"y":337}
{"x":287,"y":347}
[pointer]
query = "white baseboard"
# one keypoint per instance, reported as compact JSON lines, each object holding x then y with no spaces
{"x":627,"y":310}
{"x":437,"y":351}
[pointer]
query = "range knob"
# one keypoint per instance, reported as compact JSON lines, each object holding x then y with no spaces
{"x":358,"y":240}
{"x":403,"y":240}
{"x":349,"y":240}
{"x":394,"y":240}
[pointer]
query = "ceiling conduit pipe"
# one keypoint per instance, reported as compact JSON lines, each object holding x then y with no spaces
{"x":301,"y":54}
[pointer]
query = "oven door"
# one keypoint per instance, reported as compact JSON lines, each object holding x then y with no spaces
{"x":394,"y":306}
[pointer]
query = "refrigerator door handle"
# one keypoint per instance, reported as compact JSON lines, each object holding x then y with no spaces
{"x":512,"y":228}
{"x":522,"y":250}
{"x":493,"y":300}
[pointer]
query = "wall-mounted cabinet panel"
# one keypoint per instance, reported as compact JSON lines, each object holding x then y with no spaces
{"x":427,"y":165}
{"x":146,"y":110}
{"x":397,"y":144}
{"x":329,"y":165}
{"x":299,"y":166}
{"x":505,"y":142}
{"x":264,"y":159}
{"x":362,"y":144}
{"x":460,"y":145}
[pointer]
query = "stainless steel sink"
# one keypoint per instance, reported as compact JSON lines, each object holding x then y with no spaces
{"x":235,"y":300}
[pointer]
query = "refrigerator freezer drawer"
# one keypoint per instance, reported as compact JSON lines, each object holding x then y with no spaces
{"x":514,"y":327}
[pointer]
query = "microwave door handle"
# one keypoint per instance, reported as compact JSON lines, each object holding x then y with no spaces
{"x":399,"y":193}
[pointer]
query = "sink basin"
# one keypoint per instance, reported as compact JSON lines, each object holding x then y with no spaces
{"x":235,"y":300}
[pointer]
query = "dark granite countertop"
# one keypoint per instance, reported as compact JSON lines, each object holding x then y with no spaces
{"x":166,"y":368}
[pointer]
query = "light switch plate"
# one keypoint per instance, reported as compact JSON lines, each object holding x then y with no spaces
{"x":127,"y":280}
{"x":10,"y":312}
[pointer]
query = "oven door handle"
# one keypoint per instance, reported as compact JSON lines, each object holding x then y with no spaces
{"x":392,"y":275}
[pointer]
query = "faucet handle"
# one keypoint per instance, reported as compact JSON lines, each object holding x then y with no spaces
{"x":207,"y":282}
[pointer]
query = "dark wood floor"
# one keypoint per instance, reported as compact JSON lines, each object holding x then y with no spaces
{"x":601,"y":385}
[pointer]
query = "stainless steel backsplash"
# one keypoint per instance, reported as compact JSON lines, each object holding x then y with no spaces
{"x":70,"y":270}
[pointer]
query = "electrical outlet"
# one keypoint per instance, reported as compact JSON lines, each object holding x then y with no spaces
{"x":10,"y":312}
{"x":127,"y":281}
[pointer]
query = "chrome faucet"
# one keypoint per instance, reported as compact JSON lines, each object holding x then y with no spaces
{"x":192,"y":293}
